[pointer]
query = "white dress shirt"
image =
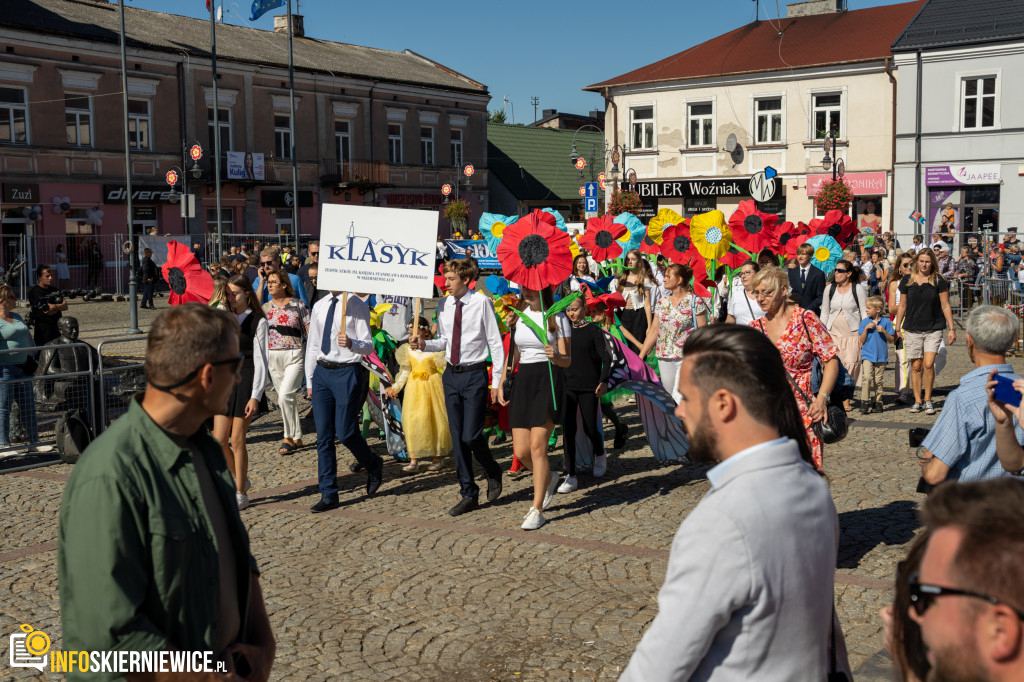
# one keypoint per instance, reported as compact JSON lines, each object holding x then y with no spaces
{"x":357,"y":328}
{"x":479,"y":332}
{"x":259,"y":355}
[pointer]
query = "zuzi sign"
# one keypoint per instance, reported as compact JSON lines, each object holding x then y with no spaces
{"x":18,"y":193}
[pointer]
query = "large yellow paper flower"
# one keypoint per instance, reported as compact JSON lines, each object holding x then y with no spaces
{"x":664,"y":219}
{"x":710,"y":234}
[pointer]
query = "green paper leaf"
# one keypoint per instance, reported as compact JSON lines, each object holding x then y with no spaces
{"x":562,"y":304}
{"x":536,"y":328}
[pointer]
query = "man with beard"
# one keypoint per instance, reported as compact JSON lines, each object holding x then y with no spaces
{"x":748,"y":590}
{"x":968,"y":597}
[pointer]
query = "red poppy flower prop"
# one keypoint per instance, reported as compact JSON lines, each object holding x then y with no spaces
{"x":189,"y":281}
{"x":610,"y":301}
{"x":442,"y":284}
{"x":677,"y":246}
{"x":649,"y":246}
{"x":752,"y":229}
{"x":601,"y":238}
{"x":835,"y":224}
{"x":534,"y":253}
{"x":734,"y":258}
{"x":791,"y":246}
{"x":702,"y":284}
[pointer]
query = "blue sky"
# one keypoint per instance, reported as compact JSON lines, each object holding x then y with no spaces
{"x":547,"y":50}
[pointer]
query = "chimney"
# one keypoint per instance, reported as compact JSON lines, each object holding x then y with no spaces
{"x":548,"y":112}
{"x":281,"y":25}
{"x":812,"y":7}
{"x":597,"y":114}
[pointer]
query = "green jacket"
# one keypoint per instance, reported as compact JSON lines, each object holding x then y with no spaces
{"x":137,"y":555}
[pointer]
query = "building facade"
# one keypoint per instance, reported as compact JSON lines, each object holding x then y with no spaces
{"x":960,"y":119}
{"x":372,"y":126}
{"x":697,"y":126}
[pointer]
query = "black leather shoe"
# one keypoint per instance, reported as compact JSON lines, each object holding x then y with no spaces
{"x":374,"y":479}
{"x":355,"y":466}
{"x":325,"y":505}
{"x":466,"y":504}
{"x":620,"y":437}
{"x":493,"y":488}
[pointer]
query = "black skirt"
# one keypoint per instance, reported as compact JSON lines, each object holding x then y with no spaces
{"x":531,"y":397}
{"x":242,"y":391}
{"x":636,"y":322}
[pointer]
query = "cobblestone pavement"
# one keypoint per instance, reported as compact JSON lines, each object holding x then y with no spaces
{"x":394,"y":588}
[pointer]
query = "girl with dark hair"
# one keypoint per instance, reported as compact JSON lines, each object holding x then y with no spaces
{"x":580,"y":274}
{"x":288,"y":321}
{"x":676,"y":316}
{"x":232,"y":427}
{"x":635,"y":284}
{"x":842,"y":309}
{"x":604,"y":318}
{"x":538,"y":398}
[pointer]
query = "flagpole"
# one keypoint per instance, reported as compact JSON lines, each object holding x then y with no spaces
{"x":133,"y":311}
{"x":216,"y":133}
{"x":295,"y":161}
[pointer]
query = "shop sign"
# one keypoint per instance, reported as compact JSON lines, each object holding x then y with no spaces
{"x":680,"y":189}
{"x":696,"y":205}
{"x":862,"y":184}
{"x":976,"y":174}
{"x":285,"y":199}
{"x":145,"y":212}
{"x":21,"y":193}
{"x":408,"y":199}
{"x":117,"y":194}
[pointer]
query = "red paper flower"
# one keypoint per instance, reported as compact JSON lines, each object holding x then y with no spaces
{"x":534,"y":253}
{"x":601,"y":238}
{"x":752,"y":229}
{"x":188,"y":280}
{"x":789,"y":250}
{"x":442,"y":284}
{"x":648,"y":245}
{"x":677,"y":246}
{"x":701,"y":284}
{"x":611,"y":301}
{"x":735,"y":258}
{"x":835,"y":224}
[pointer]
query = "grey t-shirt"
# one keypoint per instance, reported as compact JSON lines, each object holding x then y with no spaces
{"x":397,"y":320}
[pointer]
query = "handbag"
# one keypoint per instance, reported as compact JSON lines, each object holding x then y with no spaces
{"x":834,"y":428}
{"x":510,"y":379}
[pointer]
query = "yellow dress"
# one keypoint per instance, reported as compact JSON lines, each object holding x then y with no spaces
{"x":424,"y":416}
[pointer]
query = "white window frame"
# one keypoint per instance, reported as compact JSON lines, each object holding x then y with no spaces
{"x":78,"y":113}
{"x":457,"y":147}
{"x":634,"y":122}
{"x":283,"y":136}
{"x":756,"y":115}
{"x":343,"y":140}
{"x":215,"y":123}
{"x":136,"y":119}
{"x":812,"y":128}
{"x":712,"y":118}
{"x":961,"y":79}
{"x":10,"y":108}
{"x":395,"y":144}
{"x":427,"y":157}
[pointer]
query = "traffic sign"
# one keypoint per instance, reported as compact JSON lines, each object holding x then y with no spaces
{"x":591,"y":190}
{"x":590,"y":205}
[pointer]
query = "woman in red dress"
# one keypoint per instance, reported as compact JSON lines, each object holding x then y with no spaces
{"x":800,"y":337}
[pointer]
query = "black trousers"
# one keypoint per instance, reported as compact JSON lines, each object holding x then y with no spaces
{"x":466,"y":398}
{"x":609,"y":412}
{"x":587,"y":403}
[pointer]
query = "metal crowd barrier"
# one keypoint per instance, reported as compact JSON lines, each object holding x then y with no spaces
{"x":121,"y":376}
{"x":43,"y":398}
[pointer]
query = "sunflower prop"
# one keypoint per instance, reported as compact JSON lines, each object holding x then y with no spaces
{"x":662,"y":220}
{"x":835,"y":224}
{"x":827,"y":252}
{"x":188,"y":280}
{"x":600,"y":238}
{"x":492,"y":227}
{"x":710,"y":234}
{"x":751,"y":229}
{"x":636,"y":228}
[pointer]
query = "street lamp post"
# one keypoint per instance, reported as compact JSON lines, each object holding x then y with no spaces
{"x":455,"y":182}
{"x":833,"y":160}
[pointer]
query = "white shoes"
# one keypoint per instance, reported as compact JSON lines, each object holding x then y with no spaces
{"x":552,"y":485}
{"x":600,"y":465}
{"x":568,"y":485}
{"x":242,"y":499}
{"x":534,"y":519}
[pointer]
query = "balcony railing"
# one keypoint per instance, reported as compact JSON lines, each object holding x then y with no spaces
{"x":354,"y":173}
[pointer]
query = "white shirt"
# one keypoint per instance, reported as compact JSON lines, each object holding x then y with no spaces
{"x":716,"y":472}
{"x":854,"y":310}
{"x":479,"y":332}
{"x":259,"y":355}
{"x":357,"y":328}
{"x":574,"y":282}
{"x":739,"y":309}
{"x":531,"y":349}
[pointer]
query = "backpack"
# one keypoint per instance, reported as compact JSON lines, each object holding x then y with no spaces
{"x":853,"y":288}
{"x":73,"y":435}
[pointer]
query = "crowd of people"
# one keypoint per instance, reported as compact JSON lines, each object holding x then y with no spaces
{"x":749,"y":587}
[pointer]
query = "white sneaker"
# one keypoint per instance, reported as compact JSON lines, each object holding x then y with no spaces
{"x":568,"y":485}
{"x":928,"y":407}
{"x":242,"y":499}
{"x":534,"y":519}
{"x":552,"y":485}
{"x":600,"y":465}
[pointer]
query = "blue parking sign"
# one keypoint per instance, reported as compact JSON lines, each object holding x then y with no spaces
{"x":590,"y":205}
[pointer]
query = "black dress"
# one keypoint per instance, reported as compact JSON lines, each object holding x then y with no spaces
{"x":242,"y":391}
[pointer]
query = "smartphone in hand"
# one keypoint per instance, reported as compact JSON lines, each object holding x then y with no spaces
{"x":1005,"y":392}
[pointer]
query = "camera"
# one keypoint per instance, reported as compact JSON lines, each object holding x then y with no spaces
{"x":43,"y":305}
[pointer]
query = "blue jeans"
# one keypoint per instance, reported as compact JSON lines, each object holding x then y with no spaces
{"x":21,"y":392}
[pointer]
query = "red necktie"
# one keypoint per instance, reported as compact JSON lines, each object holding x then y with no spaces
{"x":457,"y":334}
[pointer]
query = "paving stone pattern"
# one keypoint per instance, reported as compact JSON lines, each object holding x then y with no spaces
{"x":394,"y":588}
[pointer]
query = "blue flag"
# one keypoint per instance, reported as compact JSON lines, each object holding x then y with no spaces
{"x":261,"y":7}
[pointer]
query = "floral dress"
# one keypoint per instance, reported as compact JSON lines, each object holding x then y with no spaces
{"x":676,"y":323}
{"x":798,"y":346}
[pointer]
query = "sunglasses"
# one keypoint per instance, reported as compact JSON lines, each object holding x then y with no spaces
{"x":266,"y":262}
{"x":314,"y":253}
{"x":841,"y":270}
{"x":922,"y":595}
{"x":235,"y":363}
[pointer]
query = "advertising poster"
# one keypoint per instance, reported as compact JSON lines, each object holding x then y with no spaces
{"x":245,"y":166}
{"x":477,"y":248}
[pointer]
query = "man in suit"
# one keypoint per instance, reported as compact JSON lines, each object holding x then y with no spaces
{"x":748,"y":590}
{"x":806,"y":281}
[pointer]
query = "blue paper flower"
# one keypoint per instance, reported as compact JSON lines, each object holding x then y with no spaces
{"x":559,"y":220}
{"x":499,"y":286}
{"x":636,"y":228}
{"x":827,"y":252}
{"x":492,"y":227}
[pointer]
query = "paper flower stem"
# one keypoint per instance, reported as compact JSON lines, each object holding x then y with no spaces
{"x":551,"y":374}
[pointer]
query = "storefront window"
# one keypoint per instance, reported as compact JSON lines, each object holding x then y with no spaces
{"x":694,"y":205}
{"x":867,"y":213}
